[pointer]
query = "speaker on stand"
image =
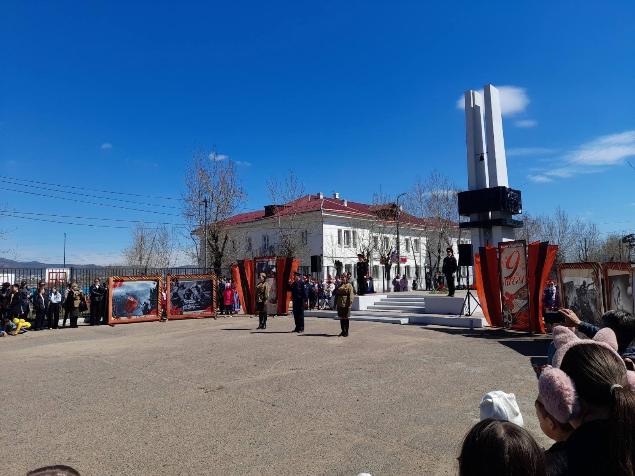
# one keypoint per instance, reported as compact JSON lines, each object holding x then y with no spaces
{"x":466,"y":259}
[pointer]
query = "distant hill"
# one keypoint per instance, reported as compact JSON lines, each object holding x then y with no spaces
{"x":9,"y":263}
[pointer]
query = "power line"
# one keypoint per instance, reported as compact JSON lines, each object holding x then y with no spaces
{"x":91,"y":218}
{"x":92,"y":196}
{"x":90,"y":190}
{"x":94,"y":225}
{"x":91,"y":203}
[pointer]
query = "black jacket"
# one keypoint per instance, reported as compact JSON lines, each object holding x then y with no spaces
{"x":40,"y":303}
{"x":299,"y":292}
{"x":449,"y":265}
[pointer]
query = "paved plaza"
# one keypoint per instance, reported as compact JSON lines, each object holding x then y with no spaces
{"x":207,"y":397}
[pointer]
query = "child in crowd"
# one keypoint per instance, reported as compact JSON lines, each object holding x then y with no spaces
{"x":590,"y":388}
{"x":499,"y":405}
{"x":500,"y":448}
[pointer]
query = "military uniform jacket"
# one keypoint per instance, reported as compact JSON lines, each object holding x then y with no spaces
{"x":262,"y":292}
{"x":344,"y":295}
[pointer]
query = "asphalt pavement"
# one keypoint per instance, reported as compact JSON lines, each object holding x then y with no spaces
{"x":206,"y":397}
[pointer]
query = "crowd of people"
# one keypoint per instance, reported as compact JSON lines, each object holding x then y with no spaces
{"x":23,"y":308}
{"x":585,"y":403}
{"x":228,"y":301}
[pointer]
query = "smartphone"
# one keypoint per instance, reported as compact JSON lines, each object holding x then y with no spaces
{"x":553,"y":317}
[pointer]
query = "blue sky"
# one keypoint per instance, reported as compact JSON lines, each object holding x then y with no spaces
{"x":352,"y":96}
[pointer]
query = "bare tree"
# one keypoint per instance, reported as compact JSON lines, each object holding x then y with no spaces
{"x":213,"y":194}
{"x":434,"y":200}
{"x":284,"y":195}
{"x":151,"y":248}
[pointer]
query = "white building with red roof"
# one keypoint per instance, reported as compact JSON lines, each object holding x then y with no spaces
{"x":335,"y":230}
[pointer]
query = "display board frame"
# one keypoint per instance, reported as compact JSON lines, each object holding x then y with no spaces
{"x":171,"y":280}
{"x":117,"y":282}
{"x":592,"y":307}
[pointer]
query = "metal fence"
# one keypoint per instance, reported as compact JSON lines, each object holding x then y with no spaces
{"x":85,"y":276}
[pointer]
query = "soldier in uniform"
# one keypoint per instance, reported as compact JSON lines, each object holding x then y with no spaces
{"x":96,"y":293}
{"x":299,"y":295}
{"x":263,"y":288}
{"x":344,"y":296}
{"x":448,"y":269}
{"x":362,"y":274}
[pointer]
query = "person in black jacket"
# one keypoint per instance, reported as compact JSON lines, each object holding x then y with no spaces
{"x":96,"y":293}
{"x":362,"y":274}
{"x":40,"y":305}
{"x":25,"y":295}
{"x":299,"y":295}
{"x":449,"y":268}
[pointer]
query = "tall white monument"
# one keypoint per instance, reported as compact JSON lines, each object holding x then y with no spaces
{"x":489,"y":202}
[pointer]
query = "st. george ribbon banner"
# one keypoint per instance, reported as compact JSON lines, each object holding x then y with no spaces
{"x":514,"y":288}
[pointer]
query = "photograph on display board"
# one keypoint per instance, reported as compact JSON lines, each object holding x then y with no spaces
{"x":191,"y":296}
{"x":514,"y":288}
{"x":133,"y":299}
{"x":618,"y":283}
{"x":581,"y":290}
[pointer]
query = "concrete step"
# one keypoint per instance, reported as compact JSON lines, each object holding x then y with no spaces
{"x":406,"y":318}
{"x":390,"y":302}
{"x":403,"y":298}
{"x":385,"y":307}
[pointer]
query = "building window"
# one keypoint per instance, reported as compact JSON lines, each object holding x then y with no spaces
{"x":386,"y":244}
{"x":348,"y":268}
{"x":265,"y":244}
{"x":375,"y":271}
{"x":304,"y":236}
{"x":339,"y":237}
{"x":407,"y":269}
{"x":249,"y":244}
{"x":407,"y":245}
{"x":416,"y":245}
{"x":376,"y":242}
{"x":354,"y":238}
{"x":347,"y":238}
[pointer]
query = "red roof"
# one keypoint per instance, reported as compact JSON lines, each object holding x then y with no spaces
{"x":312,"y":203}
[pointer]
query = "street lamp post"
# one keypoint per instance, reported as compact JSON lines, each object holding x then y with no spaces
{"x":64,"y":250}
{"x":398,"y":240}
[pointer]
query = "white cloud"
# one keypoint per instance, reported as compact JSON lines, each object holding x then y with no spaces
{"x":526,"y":123}
{"x":606,"y":150}
{"x":539,"y":178}
{"x":591,"y":157}
{"x":514,"y":100}
{"x":528,"y":151}
{"x":218,"y":157}
{"x":106,"y":146}
{"x":243,"y":163}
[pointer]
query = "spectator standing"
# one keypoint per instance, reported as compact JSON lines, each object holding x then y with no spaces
{"x":228,"y":299}
{"x":55,"y":300}
{"x":403,"y":283}
{"x":298,"y":297}
{"x":449,"y":268}
{"x":221,"y":295}
{"x":96,"y":293}
{"x":362,"y":274}
{"x":396,"y":284}
{"x":40,"y":306}
{"x":75,"y":301}
{"x":25,"y":295}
